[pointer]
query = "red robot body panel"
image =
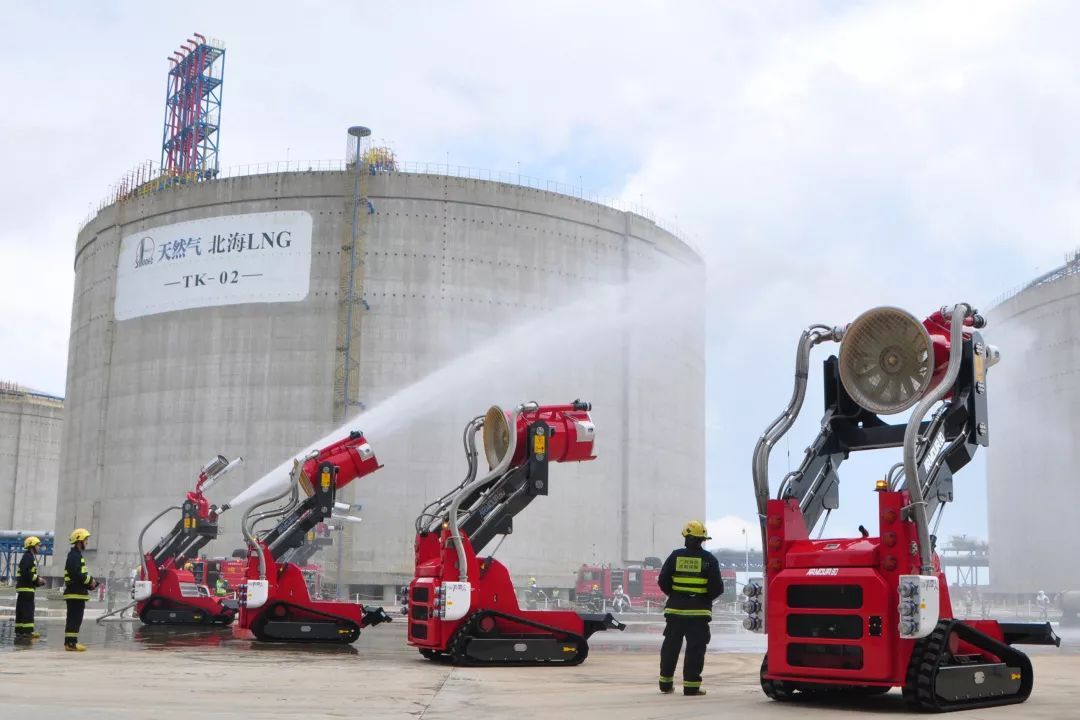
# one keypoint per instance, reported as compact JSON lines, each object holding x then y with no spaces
{"x":571,"y":437}
{"x":289,"y":600}
{"x":850,"y":617}
{"x":288,"y":613}
{"x":169,"y":594}
{"x":471,"y":614}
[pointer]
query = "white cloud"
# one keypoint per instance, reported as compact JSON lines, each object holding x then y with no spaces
{"x":731,"y":532}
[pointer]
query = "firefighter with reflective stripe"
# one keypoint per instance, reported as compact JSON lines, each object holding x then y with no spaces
{"x":26,"y":584}
{"x":78,"y":582}
{"x":691,"y":580}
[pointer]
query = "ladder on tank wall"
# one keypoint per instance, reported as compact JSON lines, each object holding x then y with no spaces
{"x":351,"y":304}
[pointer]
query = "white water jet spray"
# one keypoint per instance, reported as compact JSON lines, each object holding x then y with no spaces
{"x":653,"y":297}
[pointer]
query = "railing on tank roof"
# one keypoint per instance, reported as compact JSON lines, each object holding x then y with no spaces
{"x":153,"y":181}
{"x":12,"y":388}
{"x":1071,"y":267}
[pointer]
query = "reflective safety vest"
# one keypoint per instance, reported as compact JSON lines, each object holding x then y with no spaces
{"x":692,"y":581}
{"x":77,"y":578}
{"x":221,"y":586}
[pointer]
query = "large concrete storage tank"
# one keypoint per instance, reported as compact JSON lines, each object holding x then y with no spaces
{"x":1034,"y":451}
{"x":234,"y":345}
{"x":31,"y":425}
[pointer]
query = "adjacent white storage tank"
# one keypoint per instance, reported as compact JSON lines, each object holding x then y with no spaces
{"x":1035,"y":423}
{"x":31,"y":425}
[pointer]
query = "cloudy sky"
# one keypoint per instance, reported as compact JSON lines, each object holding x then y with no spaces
{"x":827,"y":156}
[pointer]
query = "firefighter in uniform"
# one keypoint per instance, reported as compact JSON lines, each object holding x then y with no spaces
{"x":691,"y":580}
{"x":77,"y":586}
{"x":26,"y":584}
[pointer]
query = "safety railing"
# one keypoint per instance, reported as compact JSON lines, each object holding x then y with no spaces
{"x":1071,"y":267}
{"x":156,"y":182}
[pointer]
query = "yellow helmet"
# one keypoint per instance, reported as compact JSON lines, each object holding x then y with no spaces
{"x":78,"y":535}
{"x":696,"y":529}
{"x":189,"y":566}
{"x":32,"y":541}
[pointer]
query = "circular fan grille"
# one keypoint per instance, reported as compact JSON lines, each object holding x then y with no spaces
{"x":885,"y":360}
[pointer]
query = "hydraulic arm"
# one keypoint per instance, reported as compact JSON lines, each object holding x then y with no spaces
{"x":167,"y":593}
{"x":856,"y":616}
{"x":464,"y":607}
{"x":275,"y":602}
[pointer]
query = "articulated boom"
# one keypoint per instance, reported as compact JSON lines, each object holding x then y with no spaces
{"x":321,"y":475}
{"x":464,"y":607}
{"x":857,"y":616}
{"x":275,"y":602}
{"x":947,"y":442}
{"x":167,"y":592}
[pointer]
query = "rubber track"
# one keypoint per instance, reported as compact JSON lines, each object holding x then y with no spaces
{"x":931,"y":652}
{"x":457,"y":644}
{"x":776,"y":689}
{"x":265,"y":618}
{"x":173,"y":603}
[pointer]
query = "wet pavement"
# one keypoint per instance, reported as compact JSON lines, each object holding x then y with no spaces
{"x":643,"y":634}
{"x":134,"y":672}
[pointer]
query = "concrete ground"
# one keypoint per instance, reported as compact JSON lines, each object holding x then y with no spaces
{"x":131,"y":672}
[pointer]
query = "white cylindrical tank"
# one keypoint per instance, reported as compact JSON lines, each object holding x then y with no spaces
{"x":31,"y":425}
{"x":1034,"y":405}
{"x":231,"y":339}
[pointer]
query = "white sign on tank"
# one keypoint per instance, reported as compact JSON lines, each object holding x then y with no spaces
{"x":225,"y":260}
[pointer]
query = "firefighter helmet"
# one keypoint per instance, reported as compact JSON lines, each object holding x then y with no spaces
{"x":696,"y":529}
{"x":78,"y":535}
{"x":32,"y":541}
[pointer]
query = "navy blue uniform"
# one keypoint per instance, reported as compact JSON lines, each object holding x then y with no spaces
{"x":691,"y":580}
{"x":26,"y":585}
{"x":77,"y":585}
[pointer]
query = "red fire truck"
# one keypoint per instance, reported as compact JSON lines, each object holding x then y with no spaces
{"x":639,"y":581}
{"x":234,"y":570}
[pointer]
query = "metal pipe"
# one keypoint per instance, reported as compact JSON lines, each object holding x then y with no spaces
{"x":760,"y":470}
{"x":247,"y":526}
{"x":785,"y":483}
{"x":433,"y":513}
{"x":911,"y":435}
{"x":211,"y":481}
{"x":893,"y":477}
{"x":943,"y":456}
{"x":498,"y":470}
{"x":285,"y":509}
{"x":142,"y":554}
{"x":187,"y":548}
{"x":121,"y":611}
{"x":814,"y":487}
{"x":293,"y":490}
{"x":283,"y":536}
{"x":339,"y":589}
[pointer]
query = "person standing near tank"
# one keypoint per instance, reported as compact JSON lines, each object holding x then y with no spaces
{"x":78,"y":582}
{"x":691,"y":579}
{"x":26,"y":584}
